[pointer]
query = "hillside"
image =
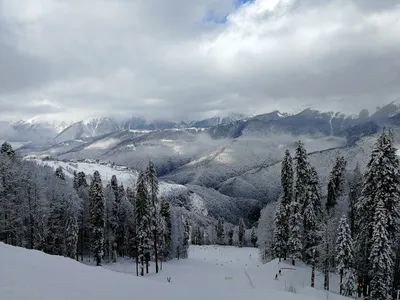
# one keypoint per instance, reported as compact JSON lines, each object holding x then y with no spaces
{"x":197,"y":199}
{"x":220,"y":273}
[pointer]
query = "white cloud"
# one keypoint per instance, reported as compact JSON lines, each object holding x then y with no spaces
{"x":158,"y":59}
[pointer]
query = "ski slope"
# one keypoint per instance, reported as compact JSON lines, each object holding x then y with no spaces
{"x":220,"y":273}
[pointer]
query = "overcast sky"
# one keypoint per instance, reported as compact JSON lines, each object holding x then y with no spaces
{"x":182,"y":59}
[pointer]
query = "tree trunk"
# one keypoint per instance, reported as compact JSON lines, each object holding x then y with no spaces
{"x":155,"y":249}
{"x":293,"y":262}
{"x":341,"y":282}
{"x":313,"y":275}
{"x":137,"y":265}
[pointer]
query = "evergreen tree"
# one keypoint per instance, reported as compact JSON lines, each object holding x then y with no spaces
{"x":97,"y":216}
{"x":8,"y":150}
{"x":356,"y":184}
{"x":312,"y":213}
{"x":219,"y":228}
{"x":381,"y":255}
{"x":60,"y":173}
{"x":185,"y":246}
{"x":381,"y":189}
{"x":115,"y":198}
{"x":344,"y":251}
{"x":349,"y":283}
{"x":230,"y":237}
{"x":295,"y":246}
{"x":265,"y":232}
{"x":242,"y":229}
{"x":165,"y":212}
{"x":336,"y":181}
{"x":281,"y":235}
{"x":132,"y":242}
{"x":302,"y":167}
{"x":143,"y":222}
{"x":152,"y":181}
{"x":253,"y":237}
{"x":283,"y":210}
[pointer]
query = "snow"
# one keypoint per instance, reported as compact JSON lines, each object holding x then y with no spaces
{"x":210,"y":272}
{"x":126,"y":177}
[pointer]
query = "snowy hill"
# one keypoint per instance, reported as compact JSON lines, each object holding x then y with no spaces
{"x":220,"y":273}
{"x":199,"y":200}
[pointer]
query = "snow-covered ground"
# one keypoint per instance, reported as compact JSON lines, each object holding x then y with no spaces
{"x":210,"y":272}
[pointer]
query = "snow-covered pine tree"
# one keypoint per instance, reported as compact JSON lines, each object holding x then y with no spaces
{"x":73,"y":210}
{"x":283,"y":210}
{"x":355,"y":186}
{"x":302,"y":168}
{"x":131,"y":242}
{"x":230,"y":237}
{"x":152,"y":183}
{"x":60,"y":173}
{"x":381,"y":255}
{"x":349,"y":283}
{"x":344,"y":251}
{"x":336,"y":182}
{"x":219,"y":229}
{"x":382,"y":186}
{"x":326,"y":247}
{"x":312,"y":215}
{"x":281,"y":235}
{"x":242,"y":229}
{"x":82,"y":189}
{"x":185,"y":245}
{"x":113,"y":217}
{"x":97,"y":217}
{"x":8,"y":150}
{"x":165,"y":212}
{"x":143,"y":222}
{"x":253,"y":237}
{"x":265,"y":234}
{"x":295,"y":246}
{"x":111,"y":224}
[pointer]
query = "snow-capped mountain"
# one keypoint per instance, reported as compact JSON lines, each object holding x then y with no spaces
{"x":37,"y":129}
{"x":87,"y":129}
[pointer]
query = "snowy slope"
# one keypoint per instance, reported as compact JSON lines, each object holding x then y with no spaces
{"x":29,"y":274}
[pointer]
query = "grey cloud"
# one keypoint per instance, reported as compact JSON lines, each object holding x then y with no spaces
{"x":147,"y":57}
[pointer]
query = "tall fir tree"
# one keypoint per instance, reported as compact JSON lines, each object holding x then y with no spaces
{"x":379,"y":198}
{"x":220,"y":231}
{"x":97,"y":217}
{"x":311,"y":217}
{"x":242,"y":229}
{"x":152,"y":182}
{"x":283,"y":210}
{"x":8,"y":150}
{"x":143,"y":223}
{"x":186,"y":237}
{"x":165,"y":212}
{"x":295,"y":246}
{"x":355,"y":189}
{"x":381,"y":255}
{"x":344,"y":252}
{"x":302,"y":168}
{"x":336,"y":182}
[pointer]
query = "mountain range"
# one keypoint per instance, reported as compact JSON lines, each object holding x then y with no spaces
{"x":231,"y":164}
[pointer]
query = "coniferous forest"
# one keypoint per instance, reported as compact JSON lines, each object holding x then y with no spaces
{"x":353,"y":231}
{"x":86,"y":219}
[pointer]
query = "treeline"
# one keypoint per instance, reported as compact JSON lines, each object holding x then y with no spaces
{"x":353,"y":230}
{"x":43,"y":210}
